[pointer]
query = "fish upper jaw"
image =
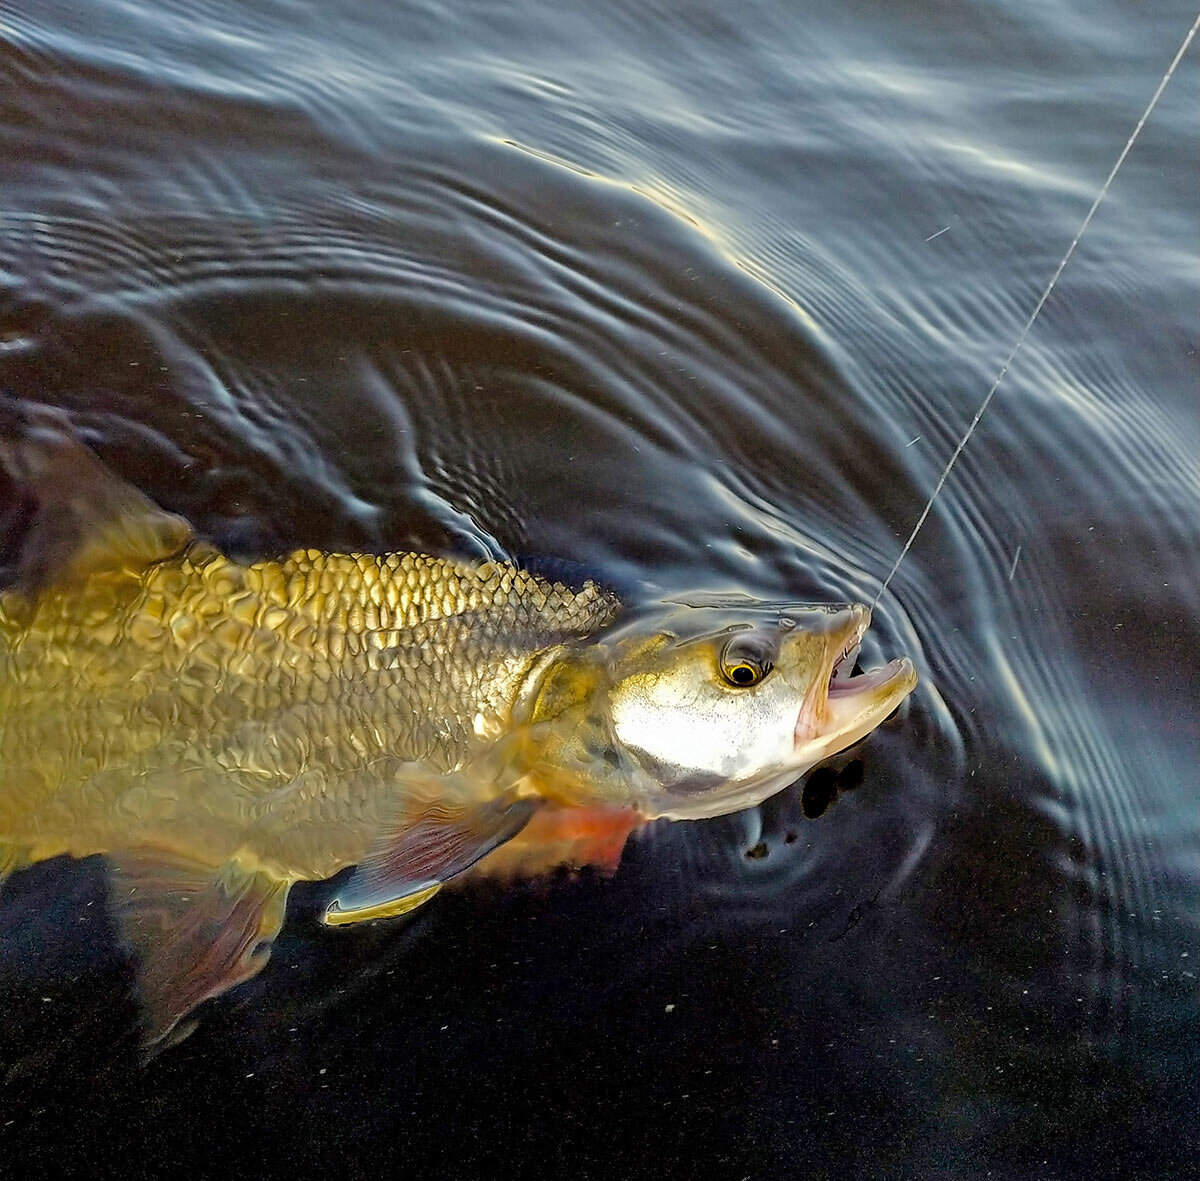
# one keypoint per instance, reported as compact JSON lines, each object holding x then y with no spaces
{"x":845,"y":631}
{"x":840,"y":708}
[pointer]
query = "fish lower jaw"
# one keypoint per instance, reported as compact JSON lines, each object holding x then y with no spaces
{"x":854,"y":706}
{"x":721,"y":803}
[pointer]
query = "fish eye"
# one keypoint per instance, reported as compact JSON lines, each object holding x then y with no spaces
{"x":744,"y":675}
{"x":745,"y":661}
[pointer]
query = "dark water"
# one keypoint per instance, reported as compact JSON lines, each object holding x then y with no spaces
{"x":690,"y":295}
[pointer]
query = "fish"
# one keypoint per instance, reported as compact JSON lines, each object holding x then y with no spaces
{"x":218,"y":730}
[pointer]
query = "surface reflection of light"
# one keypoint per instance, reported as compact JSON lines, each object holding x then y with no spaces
{"x":996,"y":161}
{"x":669,"y":201}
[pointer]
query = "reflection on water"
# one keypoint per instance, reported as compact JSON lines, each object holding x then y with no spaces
{"x":675,"y":299}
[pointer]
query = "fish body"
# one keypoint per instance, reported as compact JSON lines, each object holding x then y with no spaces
{"x":220,"y":730}
{"x":270,"y":711}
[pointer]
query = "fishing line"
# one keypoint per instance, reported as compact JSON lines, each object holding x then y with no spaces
{"x":958,"y":450}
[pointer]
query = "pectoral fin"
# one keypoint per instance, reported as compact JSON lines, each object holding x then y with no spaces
{"x":409,"y":867}
{"x":197,"y":930}
{"x":78,"y":517}
{"x":571,"y":837}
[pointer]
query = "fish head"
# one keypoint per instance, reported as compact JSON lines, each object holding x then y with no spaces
{"x":692,"y":711}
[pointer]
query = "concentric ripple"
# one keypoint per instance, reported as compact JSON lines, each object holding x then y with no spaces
{"x":681,"y":298}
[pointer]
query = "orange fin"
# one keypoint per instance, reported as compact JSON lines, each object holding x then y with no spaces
{"x":78,"y":516}
{"x":197,"y":929}
{"x":409,"y":867}
{"x":565,"y":836}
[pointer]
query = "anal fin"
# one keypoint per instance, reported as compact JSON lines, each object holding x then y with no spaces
{"x":196,"y":929}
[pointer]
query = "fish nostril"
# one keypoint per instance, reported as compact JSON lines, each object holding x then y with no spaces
{"x":786,"y":624}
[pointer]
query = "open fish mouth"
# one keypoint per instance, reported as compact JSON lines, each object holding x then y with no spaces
{"x":851,"y":704}
{"x":856,"y":704}
{"x":849,"y":684}
{"x":841,"y":672}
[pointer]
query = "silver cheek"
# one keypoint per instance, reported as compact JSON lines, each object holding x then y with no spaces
{"x":706,"y":743}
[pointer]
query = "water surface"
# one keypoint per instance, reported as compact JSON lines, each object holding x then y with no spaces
{"x":676,"y":296}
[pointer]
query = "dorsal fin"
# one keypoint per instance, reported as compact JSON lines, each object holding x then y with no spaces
{"x":79,"y":518}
